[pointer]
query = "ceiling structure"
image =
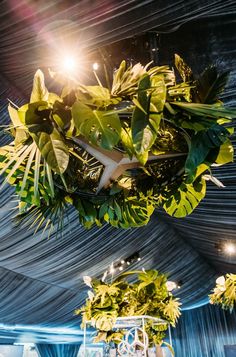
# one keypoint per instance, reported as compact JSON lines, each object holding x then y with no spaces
{"x":41,"y":278}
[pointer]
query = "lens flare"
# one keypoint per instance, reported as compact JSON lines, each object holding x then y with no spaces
{"x":69,"y":64}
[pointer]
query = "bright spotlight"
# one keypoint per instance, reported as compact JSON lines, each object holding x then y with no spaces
{"x":95,"y":66}
{"x":69,"y":64}
{"x":229,"y":248}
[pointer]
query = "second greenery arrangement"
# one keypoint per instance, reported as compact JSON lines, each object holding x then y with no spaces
{"x":149,"y":295}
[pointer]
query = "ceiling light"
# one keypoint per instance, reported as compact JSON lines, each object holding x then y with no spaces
{"x":69,"y":64}
{"x":95,"y":66}
{"x":121,"y":268}
{"x":229,"y":248}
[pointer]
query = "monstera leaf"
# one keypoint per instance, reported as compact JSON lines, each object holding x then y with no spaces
{"x":185,"y":199}
{"x":101,"y":128}
{"x":201,"y":144}
{"x":96,"y":95}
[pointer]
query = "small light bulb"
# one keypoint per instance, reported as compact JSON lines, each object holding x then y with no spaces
{"x":229,"y":248}
{"x":139,"y":259}
{"x":95,"y":66}
{"x":128,"y":263}
{"x":121,"y":268}
{"x":122,"y":262}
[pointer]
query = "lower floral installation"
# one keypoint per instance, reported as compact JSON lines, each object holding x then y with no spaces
{"x":149,"y":295}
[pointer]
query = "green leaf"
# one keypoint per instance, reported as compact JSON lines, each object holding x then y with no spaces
{"x":127,"y":141}
{"x":179,"y":91}
{"x":62,"y":115}
{"x":37,"y":118}
{"x":200,"y":147}
{"x":19,"y":130}
{"x":16,"y":159}
{"x":210,"y":110}
{"x":53,"y":150}
{"x":48,"y":139}
{"x":211,"y":84}
{"x":158,"y":98}
{"x":183,"y":69}
{"x":117,"y":77}
{"x":143,"y":135}
{"x":101,"y":128}
{"x":185,"y":199}
{"x":28,"y":167}
{"x":22,"y":112}
{"x":39,"y":91}
{"x":96,"y":95}
{"x":226,"y":153}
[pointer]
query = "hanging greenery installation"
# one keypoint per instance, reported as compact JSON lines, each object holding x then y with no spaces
{"x":116,"y":153}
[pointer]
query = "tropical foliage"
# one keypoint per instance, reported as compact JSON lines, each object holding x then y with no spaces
{"x":224,"y":294}
{"x":149,"y":295}
{"x":171,"y":130}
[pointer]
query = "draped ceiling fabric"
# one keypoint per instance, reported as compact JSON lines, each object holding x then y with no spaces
{"x":41,"y":279}
{"x":204,"y":332}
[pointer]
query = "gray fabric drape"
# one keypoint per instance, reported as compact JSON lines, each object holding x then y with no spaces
{"x":204,"y":332}
{"x":45,"y":350}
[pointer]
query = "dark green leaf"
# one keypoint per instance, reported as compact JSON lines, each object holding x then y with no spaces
{"x":186,"y":199}
{"x":211,"y":84}
{"x":143,"y":135}
{"x":201,"y":144}
{"x":49,"y":141}
{"x":209,"y":110}
{"x":62,"y":115}
{"x":37,"y":118}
